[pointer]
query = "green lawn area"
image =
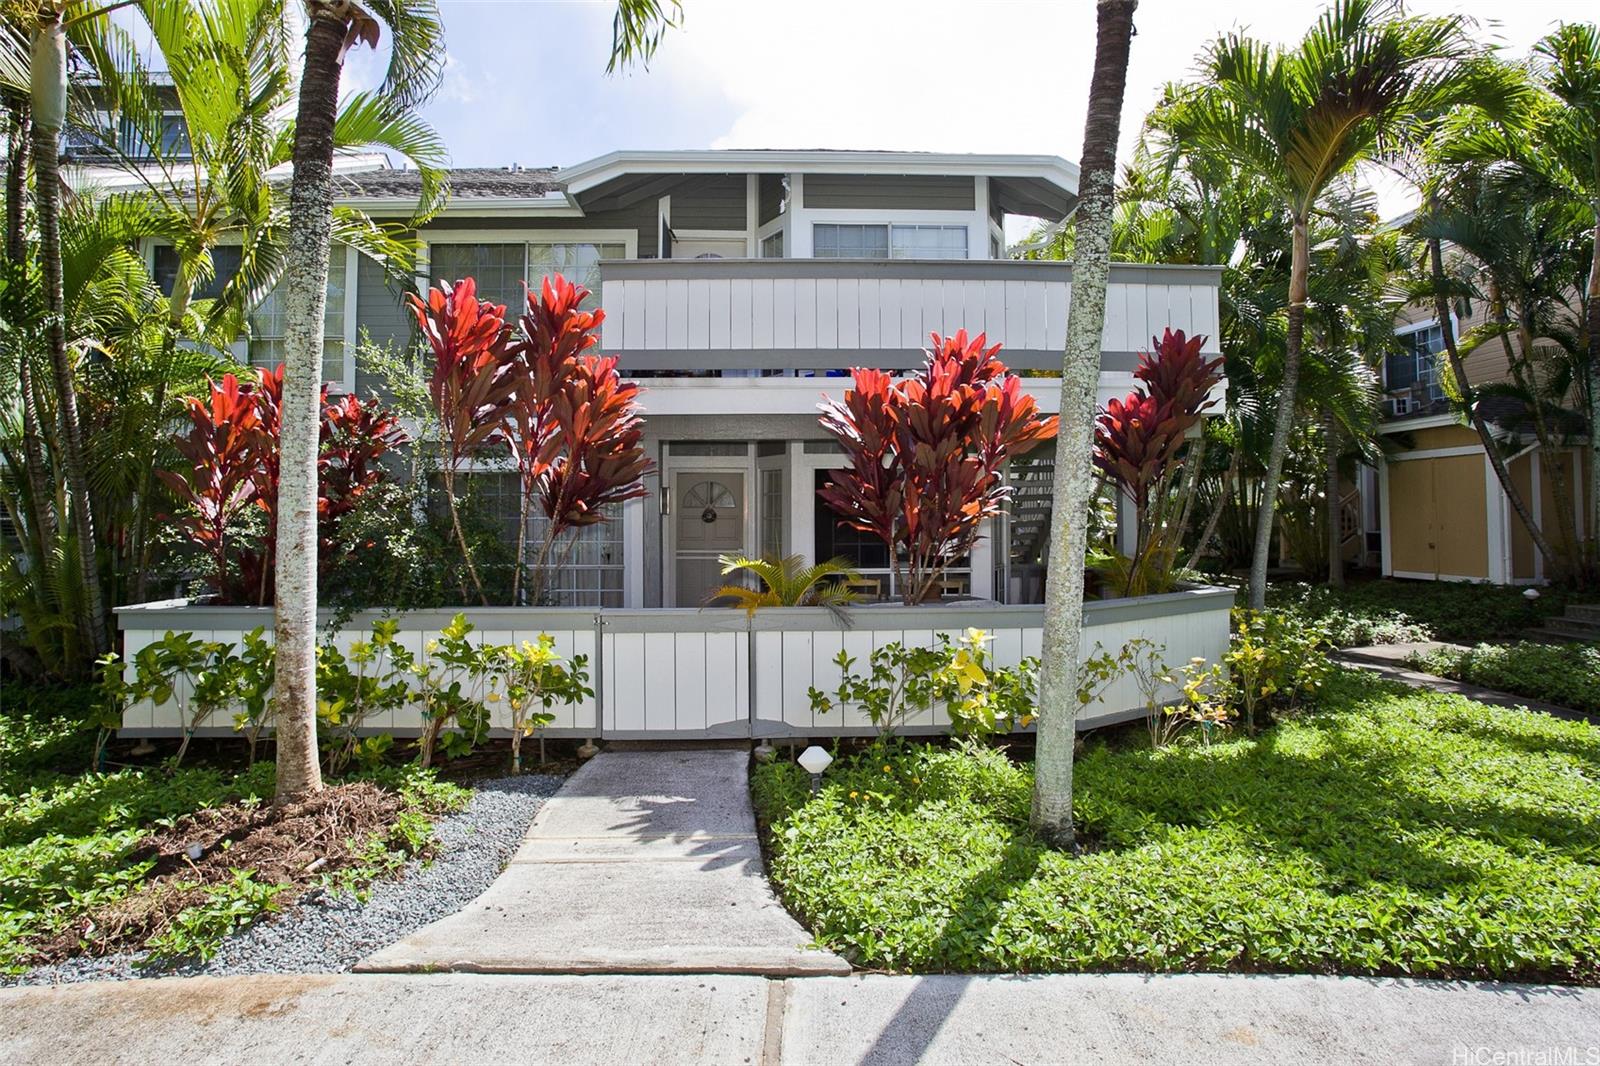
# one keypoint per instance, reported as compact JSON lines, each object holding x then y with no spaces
{"x":67,"y":835}
{"x":1390,"y":832}
{"x":1389,"y":611}
{"x":1565,"y":674}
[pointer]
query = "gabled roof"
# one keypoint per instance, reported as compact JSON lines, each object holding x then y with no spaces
{"x":1044,"y":185}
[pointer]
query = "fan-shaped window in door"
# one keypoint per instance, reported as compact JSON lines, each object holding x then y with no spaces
{"x":710,"y":499}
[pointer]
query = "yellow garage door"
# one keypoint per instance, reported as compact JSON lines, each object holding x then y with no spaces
{"x":1437,"y":524}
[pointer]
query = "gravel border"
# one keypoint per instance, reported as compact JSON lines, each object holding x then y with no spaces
{"x":329,"y":933}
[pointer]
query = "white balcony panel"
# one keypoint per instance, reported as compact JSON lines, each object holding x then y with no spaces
{"x":768,"y":314}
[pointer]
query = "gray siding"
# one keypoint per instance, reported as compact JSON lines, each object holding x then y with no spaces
{"x":911,"y":192}
{"x":715,"y":201}
{"x":641,"y":217}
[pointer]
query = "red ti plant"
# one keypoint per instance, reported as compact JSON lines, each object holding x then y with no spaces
{"x":223,"y":449}
{"x":576,"y":423}
{"x":471,"y":384}
{"x":925,"y":455}
{"x":354,"y":437}
{"x":232,"y":449}
{"x":1138,"y":442}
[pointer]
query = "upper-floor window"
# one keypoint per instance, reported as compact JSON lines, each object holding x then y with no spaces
{"x":106,"y":135}
{"x":838,"y":240}
{"x":501,"y":268}
{"x":1416,"y":364}
{"x":772,"y":245}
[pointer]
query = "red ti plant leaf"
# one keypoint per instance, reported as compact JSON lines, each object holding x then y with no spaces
{"x":1137,"y":440}
{"x":576,"y":430}
{"x":471,"y":384}
{"x":925,"y":455}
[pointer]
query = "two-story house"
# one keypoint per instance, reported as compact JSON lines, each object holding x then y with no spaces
{"x":740,"y":285}
{"x":1435,"y":508}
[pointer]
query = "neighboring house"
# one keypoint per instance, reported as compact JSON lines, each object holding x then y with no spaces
{"x":1435,"y":509}
{"x":741,"y":285}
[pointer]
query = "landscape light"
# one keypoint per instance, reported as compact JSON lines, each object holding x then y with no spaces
{"x":813,"y":761}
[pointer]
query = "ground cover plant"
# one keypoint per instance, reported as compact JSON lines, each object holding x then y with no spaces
{"x":1566,"y":674}
{"x":100,"y":861}
{"x":1397,"y":612}
{"x":1391,"y":831}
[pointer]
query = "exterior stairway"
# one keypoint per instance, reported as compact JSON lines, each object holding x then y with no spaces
{"x":1580,"y":622}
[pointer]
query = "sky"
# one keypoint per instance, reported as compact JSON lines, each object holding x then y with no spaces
{"x":525,"y":80}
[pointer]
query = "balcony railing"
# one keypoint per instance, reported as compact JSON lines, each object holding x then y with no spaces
{"x":754,"y":315}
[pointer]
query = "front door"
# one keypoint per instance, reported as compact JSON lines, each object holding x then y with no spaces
{"x":708,"y":522}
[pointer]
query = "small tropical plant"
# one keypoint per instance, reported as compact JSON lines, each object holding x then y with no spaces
{"x":533,"y":676}
{"x":451,"y":690}
{"x":786,"y":582}
{"x":231,"y":473}
{"x":201,"y":676}
{"x":925,"y":454}
{"x":959,"y":674}
{"x":1274,"y":660}
{"x":372,"y":678}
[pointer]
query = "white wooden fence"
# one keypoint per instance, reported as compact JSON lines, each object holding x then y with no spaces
{"x":686,"y":673}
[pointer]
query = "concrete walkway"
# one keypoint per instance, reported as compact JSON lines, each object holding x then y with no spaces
{"x":1389,"y":660}
{"x":643,"y":863}
{"x":1091,"y":1018}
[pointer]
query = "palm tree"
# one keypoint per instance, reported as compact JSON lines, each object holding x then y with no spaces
{"x":228,"y":70}
{"x":1074,"y":473}
{"x":416,"y":61}
{"x":48,"y":111}
{"x":787,"y":582}
{"x":1567,"y":152}
{"x":1298,"y":119}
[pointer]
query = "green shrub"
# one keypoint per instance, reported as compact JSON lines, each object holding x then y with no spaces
{"x":1566,"y":674}
{"x":1399,"y":612}
{"x":1393,"y":832}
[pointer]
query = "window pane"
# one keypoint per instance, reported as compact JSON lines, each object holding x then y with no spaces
{"x":831,"y":240}
{"x":266,"y":347}
{"x":579,"y":263}
{"x":930,"y":242}
{"x":497,"y":268}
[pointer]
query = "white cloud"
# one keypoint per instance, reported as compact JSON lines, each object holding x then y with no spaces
{"x":1001,"y":75}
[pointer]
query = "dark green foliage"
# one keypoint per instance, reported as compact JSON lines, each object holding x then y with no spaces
{"x":1566,"y":674}
{"x":1394,"y":832}
{"x":1396,"y":612}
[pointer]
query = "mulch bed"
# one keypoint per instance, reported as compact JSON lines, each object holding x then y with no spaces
{"x":295,"y":845}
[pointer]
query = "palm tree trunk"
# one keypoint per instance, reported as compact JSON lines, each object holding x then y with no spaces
{"x":1224,"y":494}
{"x":305,"y":298}
{"x":38,"y":474}
{"x":1288,"y":392}
{"x":1458,"y":367}
{"x":1593,"y":296}
{"x":1074,"y":474}
{"x":1330,"y":431}
{"x":49,"y":112}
